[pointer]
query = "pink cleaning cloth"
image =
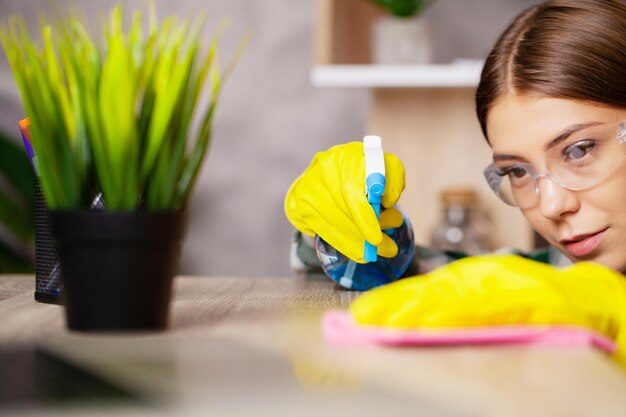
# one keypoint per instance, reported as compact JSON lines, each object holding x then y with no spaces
{"x":340,"y":329}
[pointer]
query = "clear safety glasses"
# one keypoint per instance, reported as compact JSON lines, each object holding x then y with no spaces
{"x":578,"y":163}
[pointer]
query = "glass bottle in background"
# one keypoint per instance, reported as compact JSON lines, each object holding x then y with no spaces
{"x":462,"y":226}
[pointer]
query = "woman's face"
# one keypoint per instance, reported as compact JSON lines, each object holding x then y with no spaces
{"x":585,"y":224}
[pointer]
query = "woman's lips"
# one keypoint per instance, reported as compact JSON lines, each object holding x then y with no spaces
{"x":584,"y":245}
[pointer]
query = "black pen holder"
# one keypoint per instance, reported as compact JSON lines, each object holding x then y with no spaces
{"x":48,"y":287}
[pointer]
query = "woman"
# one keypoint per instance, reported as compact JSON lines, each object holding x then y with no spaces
{"x":552,"y":106}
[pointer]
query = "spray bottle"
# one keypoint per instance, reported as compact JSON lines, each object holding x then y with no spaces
{"x":378,"y":270}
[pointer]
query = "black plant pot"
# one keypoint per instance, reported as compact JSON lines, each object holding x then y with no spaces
{"x":117,"y":268}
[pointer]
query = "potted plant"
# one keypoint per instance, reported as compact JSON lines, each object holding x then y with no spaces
{"x":401,"y":36}
{"x":116,"y":119}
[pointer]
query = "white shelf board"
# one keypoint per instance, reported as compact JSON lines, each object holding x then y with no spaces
{"x":456,"y":75}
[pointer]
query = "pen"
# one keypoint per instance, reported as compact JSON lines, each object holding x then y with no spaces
{"x":24,"y":125}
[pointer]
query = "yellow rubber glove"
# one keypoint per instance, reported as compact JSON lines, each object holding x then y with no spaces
{"x":502,"y":290}
{"x":329,"y":200}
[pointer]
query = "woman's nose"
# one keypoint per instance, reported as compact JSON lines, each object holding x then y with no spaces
{"x":556,"y":201}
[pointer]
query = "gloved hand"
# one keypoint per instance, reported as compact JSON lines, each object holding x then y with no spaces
{"x":502,"y":290}
{"x":329,"y":200}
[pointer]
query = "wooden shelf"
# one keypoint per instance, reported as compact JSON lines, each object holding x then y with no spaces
{"x":455,"y":75}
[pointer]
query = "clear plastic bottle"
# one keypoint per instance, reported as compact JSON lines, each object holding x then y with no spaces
{"x":463,"y":227}
{"x":361,"y":277}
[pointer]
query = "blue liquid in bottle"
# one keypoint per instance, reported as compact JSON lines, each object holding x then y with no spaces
{"x":361,"y":277}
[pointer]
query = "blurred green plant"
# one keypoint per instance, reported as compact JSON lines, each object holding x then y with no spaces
{"x":403,"y":8}
{"x":17,"y":208}
{"x":117,"y":118}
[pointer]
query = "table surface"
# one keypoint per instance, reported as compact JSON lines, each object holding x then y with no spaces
{"x":238,"y":346}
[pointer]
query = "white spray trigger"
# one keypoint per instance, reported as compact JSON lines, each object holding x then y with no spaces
{"x":374,"y":156}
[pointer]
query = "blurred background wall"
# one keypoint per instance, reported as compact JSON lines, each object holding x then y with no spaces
{"x":272,"y":120}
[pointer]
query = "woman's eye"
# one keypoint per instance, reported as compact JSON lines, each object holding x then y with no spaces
{"x":579,"y":149}
{"x":512,"y":172}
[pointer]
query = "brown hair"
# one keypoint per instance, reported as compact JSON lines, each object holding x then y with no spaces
{"x":573,"y":49}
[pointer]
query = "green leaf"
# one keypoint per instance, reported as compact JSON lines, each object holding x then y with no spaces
{"x":117,"y":114}
{"x":168,"y":84}
{"x":191,"y":170}
{"x":56,"y":79}
{"x":170,"y":160}
{"x":404,"y":8}
{"x":116,"y":117}
{"x":135,"y":40}
{"x":46,"y":132}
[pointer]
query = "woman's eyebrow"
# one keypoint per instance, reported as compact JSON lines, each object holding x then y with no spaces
{"x":567,"y":132}
{"x":500,"y":157}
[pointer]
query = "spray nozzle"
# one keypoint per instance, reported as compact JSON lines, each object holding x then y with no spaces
{"x":374,"y":183}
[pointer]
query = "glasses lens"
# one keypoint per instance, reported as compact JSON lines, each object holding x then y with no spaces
{"x":580,"y":162}
{"x":514,"y":184}
{"x":585,"y":161}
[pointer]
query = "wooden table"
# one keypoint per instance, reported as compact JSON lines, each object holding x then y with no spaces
{"x":244,"y":346}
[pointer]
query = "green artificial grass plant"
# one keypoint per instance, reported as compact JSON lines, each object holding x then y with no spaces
{"x":117,"y":118}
